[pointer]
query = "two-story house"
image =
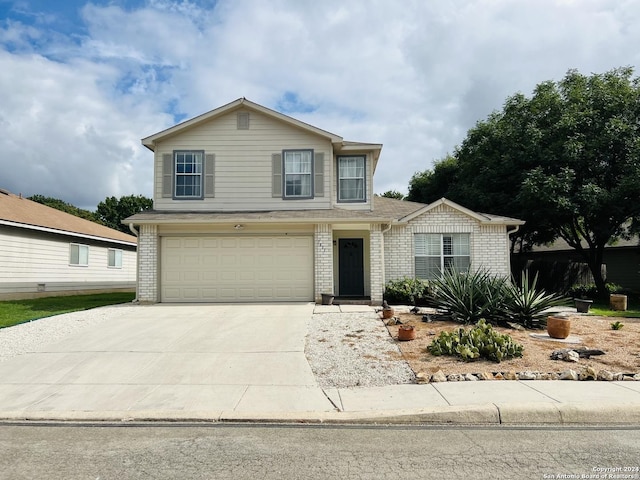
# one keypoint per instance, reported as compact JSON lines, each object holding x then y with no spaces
{"x":251,"y":205}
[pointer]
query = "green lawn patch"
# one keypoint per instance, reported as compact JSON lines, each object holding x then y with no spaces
{"x":13,"y":312}
{"x":601,"y":307}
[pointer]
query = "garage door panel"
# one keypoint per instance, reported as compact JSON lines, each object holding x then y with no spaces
{"x":232,"y":269}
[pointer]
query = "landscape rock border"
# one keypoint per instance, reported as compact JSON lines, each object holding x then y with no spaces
{"x":587,"y":373}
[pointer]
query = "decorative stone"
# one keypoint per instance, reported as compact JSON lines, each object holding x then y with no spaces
{"x":498,"y":376}
{"x":527,"y":376}
{"x":510,"y":375}
{"x":636,"y":377}
{"x":549,"y":376}
{"x":486,"y":376}
{"x":422,"y":377}
{"x":588,"y":373}
{"x":605,"y":375}
{"x":619,"y":376}
{"x":439,"y":376}
{"x":565,"y":354}
{"x":470,"y":377}
{"x":569,"y":375}
{"x":455,"y":377}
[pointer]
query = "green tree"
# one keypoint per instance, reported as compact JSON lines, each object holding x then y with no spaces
{"x":65,"y":207}
{"x":566,"y":160}
{"x":112,"y":211}
{"x":393,"y":194}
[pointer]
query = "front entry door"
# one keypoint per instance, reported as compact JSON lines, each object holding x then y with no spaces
{"x":351,"y":267}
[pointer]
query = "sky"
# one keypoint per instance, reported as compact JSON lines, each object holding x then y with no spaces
{"x":81,"y":82}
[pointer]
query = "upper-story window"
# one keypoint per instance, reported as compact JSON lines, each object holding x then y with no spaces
{"x":188,"y":174}
{"x":298,"y":173}
{"x":351,"y":179}
{"x":79,"y":255}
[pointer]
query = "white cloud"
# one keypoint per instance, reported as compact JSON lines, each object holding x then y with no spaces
{"x":413,"y":75}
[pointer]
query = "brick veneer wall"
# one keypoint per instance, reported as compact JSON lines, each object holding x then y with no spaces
{"x":377,"y":264}
{"x":148,"y":264}
{"x":323,"y":264}
{"x":489,"y":243}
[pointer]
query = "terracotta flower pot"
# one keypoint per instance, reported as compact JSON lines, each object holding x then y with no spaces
{"x":387,"y":313}
{"x":406,"y":332}
{"x":558,"y":327}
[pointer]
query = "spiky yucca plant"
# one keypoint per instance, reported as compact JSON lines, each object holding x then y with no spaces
{"x":525,"y":304}
{"x":470,"y":296}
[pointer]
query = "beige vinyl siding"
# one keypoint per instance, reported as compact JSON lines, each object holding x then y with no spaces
{"x":243,"y":166}
{"x":29,"y":258}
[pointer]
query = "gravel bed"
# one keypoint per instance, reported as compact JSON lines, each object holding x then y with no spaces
{"x":30,"y":336}
{"x":354,"y":349}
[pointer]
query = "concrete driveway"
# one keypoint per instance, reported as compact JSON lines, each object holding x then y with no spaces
{"x":158,"y":358}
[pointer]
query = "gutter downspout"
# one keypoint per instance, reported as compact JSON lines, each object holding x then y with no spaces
{"x":509,"y":233}
{"x":135,"y":232}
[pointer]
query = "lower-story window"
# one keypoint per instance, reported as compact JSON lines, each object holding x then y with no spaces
{"x":79,"y":255}
{"x":437,"y":252}
{"x":114,"y":258}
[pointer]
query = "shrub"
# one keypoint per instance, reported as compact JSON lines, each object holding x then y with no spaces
{"x":407,"y":291}
{"x":481,"y":341}
{"x":525,"y":304}
{"x":468,"y":297}
{"x":590,"y":290}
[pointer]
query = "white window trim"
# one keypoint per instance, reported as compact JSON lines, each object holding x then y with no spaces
{"x":441,"y":256}
{"x":116,"y":257}
{"x":364,"y":179}
{"x":81,"y":247}
{"x":285,"y":174}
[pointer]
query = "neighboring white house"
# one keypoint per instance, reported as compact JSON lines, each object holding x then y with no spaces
{"x":253,"y":205}
{"x":47,"y":252}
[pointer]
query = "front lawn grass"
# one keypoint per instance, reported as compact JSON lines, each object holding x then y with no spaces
{"x":13,"y":312}
{"x":601,"y":307}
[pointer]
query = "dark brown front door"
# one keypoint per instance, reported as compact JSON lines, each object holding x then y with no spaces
{"x":351,"y":267}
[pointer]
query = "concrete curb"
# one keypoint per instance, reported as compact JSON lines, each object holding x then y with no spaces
{"x":487,"y":414}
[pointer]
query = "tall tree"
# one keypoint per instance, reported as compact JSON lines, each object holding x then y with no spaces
{"x":64,"y":207}
{"x":393,"y":194}
{"x":566,"y":160}
{"x":112,"y":211}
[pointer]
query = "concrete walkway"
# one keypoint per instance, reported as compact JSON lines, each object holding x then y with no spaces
{"x":247,"y":362}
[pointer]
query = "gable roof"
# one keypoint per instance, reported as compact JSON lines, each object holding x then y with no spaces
{"x":150,"y":141}
{"x":385,"y":210}
{"x":339,"y":144}
{"x":483,"y":218}
{"x":17,"y":211}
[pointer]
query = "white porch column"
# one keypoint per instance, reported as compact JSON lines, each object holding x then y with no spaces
{"x":376,"y":252}
{"x":323,"y":250}
{"x":148,"y":264}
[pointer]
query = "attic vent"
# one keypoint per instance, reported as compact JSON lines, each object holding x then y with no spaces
{"x":243,"y":120}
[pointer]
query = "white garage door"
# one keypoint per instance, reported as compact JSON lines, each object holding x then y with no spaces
{"x":237,"y":269}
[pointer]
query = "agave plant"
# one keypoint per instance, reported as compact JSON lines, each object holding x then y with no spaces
{"x":527,"y":305}
{"x":470,"y":296}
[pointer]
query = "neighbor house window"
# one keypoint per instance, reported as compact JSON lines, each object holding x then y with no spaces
{"x":298,"y":173}
{"x":79,"y":255}
{"x":437,"y":252}
{"x":351,"y":185}
{"x":114,"y":259}
{"x":188,"y":174}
